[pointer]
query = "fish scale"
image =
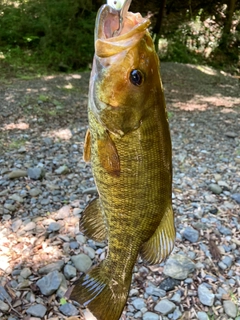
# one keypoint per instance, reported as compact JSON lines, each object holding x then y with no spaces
{"x":129,"y":146}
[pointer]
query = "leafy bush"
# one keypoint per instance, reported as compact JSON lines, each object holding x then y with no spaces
{"x":53,"y":32}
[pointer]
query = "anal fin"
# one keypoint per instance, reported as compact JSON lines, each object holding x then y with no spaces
{"x":160,"y":245}
{"x":92,"y":222}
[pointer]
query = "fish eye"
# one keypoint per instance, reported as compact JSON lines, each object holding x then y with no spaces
{"x":136,"y":77}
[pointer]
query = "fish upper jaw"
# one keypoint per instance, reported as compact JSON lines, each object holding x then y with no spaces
{"x":112,"y":35}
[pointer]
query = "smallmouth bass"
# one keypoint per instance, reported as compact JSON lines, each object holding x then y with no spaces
{"x":129,"y":146}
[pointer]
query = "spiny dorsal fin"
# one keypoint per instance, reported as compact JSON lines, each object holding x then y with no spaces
{"x":93,"y":222}
{"x":160,"y":245}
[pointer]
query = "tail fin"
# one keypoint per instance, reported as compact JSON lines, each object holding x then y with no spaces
{"x":103,"y":295}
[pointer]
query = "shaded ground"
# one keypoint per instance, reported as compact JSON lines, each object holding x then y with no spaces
{"x":43,"y":123}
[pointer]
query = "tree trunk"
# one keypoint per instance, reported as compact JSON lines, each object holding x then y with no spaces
{"x":227,"y":23}
{"x":157,"y":28}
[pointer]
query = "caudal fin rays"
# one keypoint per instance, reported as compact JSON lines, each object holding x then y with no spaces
{"x":104,"y":296}
{"x":160,"y":245}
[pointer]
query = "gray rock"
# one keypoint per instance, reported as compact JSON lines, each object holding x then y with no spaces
{"x":49,"y":283}
{"x":169,"y":284}
{"x":82,"y":262}
{"x":206,"y":297}
{"x":139,"y":303}
{"x":35,"y":173}
{"x":236,"y":197}
{"x":202,"y":315}
{"x":165,"y":307}
{"x":34,"y":192}
{"x":227,"y":261}
{"x":90,"y":252}
{"x":30,"y":226}
{"x":54,"y":227}
{"x":225,"y":231}
{"x":38,"y":310}
{"x":153,"y":291}
{"x":62,"y":170}
{"x":3,"y":306}
{"x":62,"y":288}
{"x":177,"y":314}
{"x":191,"y":234}
{"x":4,"y":295}
{"x":176,"y":297}
{"x":52,"y":267}
{"x":68,"y":310}
{"x":17,"y":174}
{"x":81,"y":239}
{"x":230,"y":308}
{"x":215,"y":188}
{"x":178,"y":267}
{"x":16,"y":198}
{"x":69,"y":271}
{"x":10,"y":207}
{"x":63,"y":213}
{"x":25,"y":273}
{"x":75,"y":245}
{"x":16,"y":225}
{"x":150,"y":316}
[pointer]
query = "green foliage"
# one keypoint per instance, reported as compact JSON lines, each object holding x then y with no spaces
{"x":52,"y":32}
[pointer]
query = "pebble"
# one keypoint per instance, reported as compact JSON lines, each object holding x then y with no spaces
{"x":35,"y":173}
{"x":70,"y":272}
{"x":236,"y":197}
{"x":165,"y":307}
{"x":150,"y":316}
{"x":178,"y":267}
{"x":3,"y":306}
{"x":82,"y":262}
{"x":34,"y":192}
{"x":55,"y":266}
{"x":215,"y":188}
{"x":62,"y":170}
{"x":54,"y":227}
{"x":139,"y":303}
{"x":202,"y":315}
{"x":25,"y":273}
{"x":49,"y":283}
{"x":37,"y":310}
{"x":206,"y":297}
{"x":230,"y":308}
{"x":168,"y":284}
{"x":191,"y":234}
{"x":68,"y":310}
{"x":17,"y":174}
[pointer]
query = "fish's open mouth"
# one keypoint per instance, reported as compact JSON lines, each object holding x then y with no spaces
{"x":115,"y":32}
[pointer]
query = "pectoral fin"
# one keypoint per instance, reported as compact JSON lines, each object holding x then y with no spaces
{"x":108,"y":155}
{"x":87,"y":147}
{"x":160,"y":245}
{"x":93,"y":222}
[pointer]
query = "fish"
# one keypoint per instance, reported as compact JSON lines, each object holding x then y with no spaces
{"x":129,"y":146}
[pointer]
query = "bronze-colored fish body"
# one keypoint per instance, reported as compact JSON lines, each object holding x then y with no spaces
{"x":129,"y":146}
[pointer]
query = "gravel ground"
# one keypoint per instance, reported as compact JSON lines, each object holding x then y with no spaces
{"x":45,"y":185}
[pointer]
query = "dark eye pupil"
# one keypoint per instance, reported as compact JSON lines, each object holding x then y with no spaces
{"x":136,"y":77}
